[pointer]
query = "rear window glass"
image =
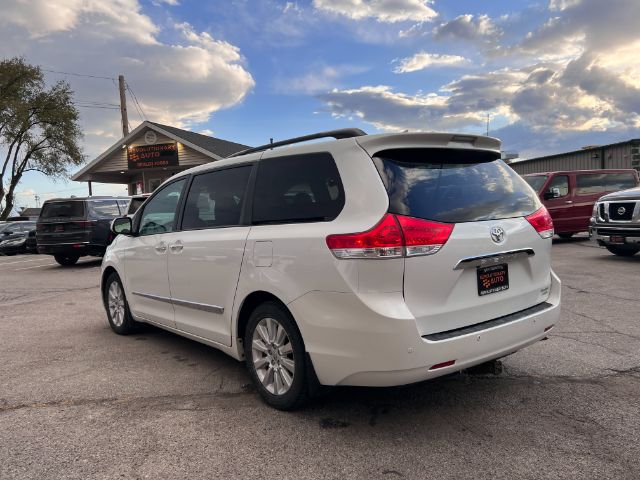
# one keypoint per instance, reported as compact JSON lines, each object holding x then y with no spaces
{"x":588,"y":183}
{"x":70,"y":209}
{"x":298,"y":188}
{"x":536,"y":181}
{"x":453,"y":185}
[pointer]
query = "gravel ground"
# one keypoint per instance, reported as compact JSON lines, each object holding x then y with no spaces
{"x":77,"y":401}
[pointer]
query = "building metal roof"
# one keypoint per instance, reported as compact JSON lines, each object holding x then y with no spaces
{"x":222,"y":148}
{"x":215,"y":148}
{"x":633,"y":141}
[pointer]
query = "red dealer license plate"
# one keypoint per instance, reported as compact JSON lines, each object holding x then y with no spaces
{"x":493,"y":279}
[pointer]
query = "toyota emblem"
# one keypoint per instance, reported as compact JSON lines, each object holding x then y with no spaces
{"x":497,"y":234}
{"x":621,"y":210}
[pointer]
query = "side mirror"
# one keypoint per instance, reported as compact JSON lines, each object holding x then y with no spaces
{"x":122,"y":225}
{"x":552,"y":193}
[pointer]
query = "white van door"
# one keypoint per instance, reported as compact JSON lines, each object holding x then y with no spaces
{"x":206,"y":255}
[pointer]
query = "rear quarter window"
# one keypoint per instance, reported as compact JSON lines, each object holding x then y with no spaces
{"x":453,"y":185}
{"x":297,"y":188}
{"x":104,"y":208}
{"x":590,"y":183}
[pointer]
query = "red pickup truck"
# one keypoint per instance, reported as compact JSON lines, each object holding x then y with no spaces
{"x":570,"y":195}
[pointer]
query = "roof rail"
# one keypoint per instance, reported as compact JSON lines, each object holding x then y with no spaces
{"x":337,"y":134}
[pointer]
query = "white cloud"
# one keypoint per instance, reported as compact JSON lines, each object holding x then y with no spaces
{"x":423,"y":60}
{"x":390,"y":11}
{"x":181,"y":82}
{"x":467,"y":27}
{"x":559,"y":5}
{"x":319,"y":79}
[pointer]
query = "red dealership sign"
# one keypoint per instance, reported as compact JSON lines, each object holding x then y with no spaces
{"x":152,"y":156}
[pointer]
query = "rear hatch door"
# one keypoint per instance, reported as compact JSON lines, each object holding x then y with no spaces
{"x":63,"y":222}
{"x":494,"y":263}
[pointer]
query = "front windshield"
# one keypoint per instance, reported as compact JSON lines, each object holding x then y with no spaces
{"x":536,"y":181}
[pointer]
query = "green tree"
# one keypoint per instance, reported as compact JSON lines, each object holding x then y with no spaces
{"x":39,"y":128}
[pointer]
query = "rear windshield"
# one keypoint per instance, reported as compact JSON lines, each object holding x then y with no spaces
{"x":536,"y":181}
{"x":69,"y":209}
{"x":453,"y":185}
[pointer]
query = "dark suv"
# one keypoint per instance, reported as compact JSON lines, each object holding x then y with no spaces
{"x":70,"y":228}
{"x":615,"y":223}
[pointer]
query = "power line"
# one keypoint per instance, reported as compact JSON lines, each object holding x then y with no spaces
{"x":97,"y":106}
{"x":136,"y":100}
{"x":78,"y":74}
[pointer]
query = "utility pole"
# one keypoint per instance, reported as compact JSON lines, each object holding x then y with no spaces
{"x":123,"y":106}
{"x":37,"y":198}
{"x":488,"y":116}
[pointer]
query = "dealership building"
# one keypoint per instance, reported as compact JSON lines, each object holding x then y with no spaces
{"x":150,"y":154}
{"x":616,"y":155}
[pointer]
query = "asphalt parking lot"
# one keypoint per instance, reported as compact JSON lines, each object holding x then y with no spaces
{"x":77,"y":401}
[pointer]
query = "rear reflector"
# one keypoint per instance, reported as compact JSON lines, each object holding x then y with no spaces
{"x":442,"y":365}
{"x":542,"y":222}
{"x":548,"y":328}
{"x":394,"y":236}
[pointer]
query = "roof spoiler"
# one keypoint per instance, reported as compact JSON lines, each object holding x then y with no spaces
{"x":337,"y":134}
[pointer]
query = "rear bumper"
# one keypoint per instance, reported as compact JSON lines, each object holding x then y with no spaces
{"x":350,"y":344}
{"x":78,"y":248}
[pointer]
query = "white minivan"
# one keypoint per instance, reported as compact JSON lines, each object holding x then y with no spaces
{"x":371,"y":260}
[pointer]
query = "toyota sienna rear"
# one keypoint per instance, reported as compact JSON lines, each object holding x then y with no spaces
{"x":371,"y":260}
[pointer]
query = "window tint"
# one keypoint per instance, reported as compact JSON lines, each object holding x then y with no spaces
{"x":215,"y":198}
{"x":298,"y":188}
{"x":159,"y":214}
{"x":104,"y":208}
{"x":453,"y":185}
{"x":68,"y":209}
{"x":588,"y":183}
{"x":135,"y":205}
{"x":536,"y":181}
{"x":561,"y":182}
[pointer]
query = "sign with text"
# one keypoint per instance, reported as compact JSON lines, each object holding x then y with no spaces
{"x":152,"y":156}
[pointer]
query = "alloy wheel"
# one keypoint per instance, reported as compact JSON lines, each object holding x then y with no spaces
{"x":272,"y":356}
{"x":115,"y":300}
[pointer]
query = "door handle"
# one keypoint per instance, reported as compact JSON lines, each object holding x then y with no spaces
{"x":176,"y":247}
{"x":161,"y":247}
{"x":569,"y":201}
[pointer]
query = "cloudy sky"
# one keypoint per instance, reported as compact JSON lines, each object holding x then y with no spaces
{"x":553,"y":75}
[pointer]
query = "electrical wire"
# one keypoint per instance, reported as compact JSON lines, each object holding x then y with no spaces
{"x":135,"y":99}
{"x":78,"y":74}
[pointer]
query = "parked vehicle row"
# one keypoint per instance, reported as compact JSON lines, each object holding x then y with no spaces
{"x":369,"y":260}
{"x":570,"y":195}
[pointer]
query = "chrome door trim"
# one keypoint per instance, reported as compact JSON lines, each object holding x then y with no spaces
{"x":183,"y":303}
{"x":494,"y":258}
{"x":153,"y":297}
{"x":205,"y":307}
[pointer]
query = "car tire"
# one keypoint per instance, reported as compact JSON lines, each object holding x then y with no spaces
{"x":566,"y":236}
{"x":276,"y":358}
{"x":115,"y":302}
{"x":66,"y":260}
{"x":623,"y":250}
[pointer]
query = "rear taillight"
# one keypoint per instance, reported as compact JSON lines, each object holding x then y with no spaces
{"x":84,"y":223}
{"x":542,"y":222}
{"x":394,"y":236}
{"x":423,"y":237}
{"x":382,"y":241}
{"x":39,"y":227}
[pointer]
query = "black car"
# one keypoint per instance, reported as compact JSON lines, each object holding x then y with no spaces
{"x":13,"y":236}
{"x":70,"y":228}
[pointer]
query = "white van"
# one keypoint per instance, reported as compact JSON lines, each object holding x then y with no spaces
{"x":366,"y":260}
